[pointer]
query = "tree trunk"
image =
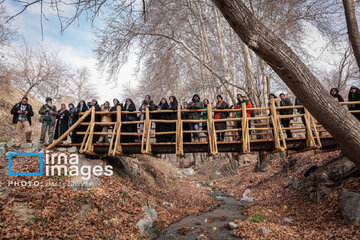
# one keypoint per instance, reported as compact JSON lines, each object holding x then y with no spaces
{"x":342,"y":125}
{"x":353,"y":29}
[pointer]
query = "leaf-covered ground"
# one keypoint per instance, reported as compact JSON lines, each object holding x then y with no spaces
{"x":311,"y":220}
{"x":109,"y":211}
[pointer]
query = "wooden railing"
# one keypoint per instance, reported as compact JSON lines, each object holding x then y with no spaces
{"x":265,"y":126}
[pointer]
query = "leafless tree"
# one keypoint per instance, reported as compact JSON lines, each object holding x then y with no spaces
{"x":353,"y":28}
{"x":80,"y":86}
{"x":38,"y":71}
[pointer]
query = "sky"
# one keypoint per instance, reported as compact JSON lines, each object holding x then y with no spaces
{"x":74,"y":46}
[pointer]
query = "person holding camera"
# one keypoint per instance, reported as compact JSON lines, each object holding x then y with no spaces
{"x":48,"y":115}
{"x":22,"y":113}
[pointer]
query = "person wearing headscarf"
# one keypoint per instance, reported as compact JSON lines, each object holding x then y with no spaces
{"x":173,"y":105}
{"x":62,"y":124}
{"x":185,"y":125}
{"x":105,"y":118}
{"x":48,"y":115}
{"x":114,"y":107}
{"x":72,"y":120}
{"x":354,"y":96}
{"x":97,"y":128}
{"x":335,"y":93}
{"x":221,"y":104}
{"x":128,"y":117}
{"x":80,"y":108}
{"x":204,"y":115}
{"x":146,"y":103}
{"x":285,"y":102}
{"x":162,"y":127}
{"x":195,"y":104}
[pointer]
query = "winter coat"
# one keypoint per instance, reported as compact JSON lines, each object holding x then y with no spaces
{"x":286,"y":102}
{"x":173,"y":106}
{"x":62,"y":124}
{"x":16,"y":108}
{"x":248,"y":105}
{"x":354,"y":97}
{"x":130,"y":108}
{"x":143,"y":108}
{"x":43,"y":112}
{"x":299,"y":103}
{"x":195,"y":105}
{"x":337,"y":95}
{"x":106,"y":117}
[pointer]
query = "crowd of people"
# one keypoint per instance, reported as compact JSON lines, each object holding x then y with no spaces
{"x":56,"y":122}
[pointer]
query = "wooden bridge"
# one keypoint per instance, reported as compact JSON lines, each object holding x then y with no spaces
{"x":267,"y":133}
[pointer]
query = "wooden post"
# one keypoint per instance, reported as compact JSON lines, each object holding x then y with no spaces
{"x":319,"y":145}
{"x":244,"y":128}
{"x":115,"y":132}
{"x":84,"y":139}
{"x":275,"y":124}
{"x":179,"y":137}
{"x":209,"y":130}
{"x":147,"y":130}
{"x":310,"y":142}
{"x":56,"y":142}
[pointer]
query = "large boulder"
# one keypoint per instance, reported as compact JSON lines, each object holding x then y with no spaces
{"x":320,"y":181}
{"x":147,"y":226}
{"x":350,"y":206}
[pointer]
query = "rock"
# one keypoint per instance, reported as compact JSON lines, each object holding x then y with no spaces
{"x":265,"y":231}
{"x":10,"y":144}
{"x":82,"y":185}
{"x":167,"y":204}
{"x":150,"y":212}
{"x":321,"y":180}
{"x":295,"y":185}
{"x":232,"y":226}
{"x":73,"y":149}
{"x":31,"y":150}
{"x":188,"y":171}
{"x":2,"y":144}
{"x":288,"y":220}
{"x":61,"y":149}
{"x":246,"y":198}
{"x":214,"y":229}
{"x":26,"y":145}
{"x":350,"y":206}
{"x":147,"y":227}
{"x":289,"y":182}
{"x":2,"y":150}
{"x":179,"y":174}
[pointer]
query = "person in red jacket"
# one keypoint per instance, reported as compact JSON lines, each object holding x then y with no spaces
{"x":241,"y":99}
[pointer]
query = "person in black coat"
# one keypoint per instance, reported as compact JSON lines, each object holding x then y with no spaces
{"x":22,"y":113}
{"x":221,"y":104}
{"x":62,"y":124}
{"x":162,"y":127}
{"x":81,"y":107}
{"x":114,"y":107}
{"x":146,"y":103}
{"x":335,"y":93}
{"x":185,"y":125}
{"x":354,"y":96}
{"x":128,"y":107}
{"x":97,"y":128}
{"x":285,"y":102}
{"x":173,"y":116}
